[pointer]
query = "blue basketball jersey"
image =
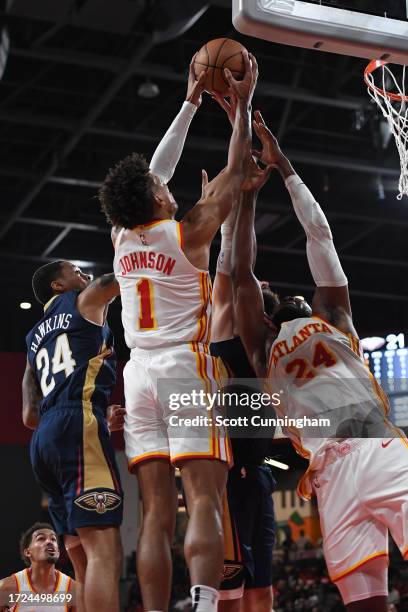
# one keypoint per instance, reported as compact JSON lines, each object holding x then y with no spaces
{"x":73,"y":359}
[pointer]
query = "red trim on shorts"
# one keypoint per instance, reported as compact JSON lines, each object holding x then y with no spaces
{"x":357,"y":565}
{"x":189,"y":456}
{"x":146,"y":457}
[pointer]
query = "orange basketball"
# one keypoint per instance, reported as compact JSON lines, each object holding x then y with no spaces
{"x":216,"y":55}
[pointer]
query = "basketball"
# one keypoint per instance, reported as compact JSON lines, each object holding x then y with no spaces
{"x":216,"y":55}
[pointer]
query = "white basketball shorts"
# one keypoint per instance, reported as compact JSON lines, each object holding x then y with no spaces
{"x":362,"y":493}
{"x":163,"y":418}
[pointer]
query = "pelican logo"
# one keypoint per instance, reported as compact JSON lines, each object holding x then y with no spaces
{"x":143,"y":239}
{"x":99,"y":502}
{"x":231,"y":570}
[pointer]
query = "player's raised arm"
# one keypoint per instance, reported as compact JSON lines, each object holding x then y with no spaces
{"x":202,"y":222}
{"x":168,"y":152}
{"x":31,"y":398}
{"x":93,"y":301}
{"x":331,"y":299}
{"x":249,"y":304}
{"x":170,"y":148}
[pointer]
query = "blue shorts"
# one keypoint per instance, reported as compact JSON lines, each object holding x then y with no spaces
{"x":74,"y":462}
{"x":249,"y":530}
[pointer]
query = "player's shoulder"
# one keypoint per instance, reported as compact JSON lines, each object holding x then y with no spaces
{"x":8,"y":583}
{"x":69,"y":582}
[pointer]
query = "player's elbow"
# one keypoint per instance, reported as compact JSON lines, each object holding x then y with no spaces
{"x":30,"y":416}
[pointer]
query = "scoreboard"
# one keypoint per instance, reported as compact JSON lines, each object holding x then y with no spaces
{"x":388,"y":361}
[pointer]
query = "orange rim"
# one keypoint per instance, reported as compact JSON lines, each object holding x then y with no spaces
{"x":373,"y":65}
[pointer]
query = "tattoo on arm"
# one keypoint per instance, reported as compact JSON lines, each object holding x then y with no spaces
{"x":31,"y":399}
{"x":104,"y":281}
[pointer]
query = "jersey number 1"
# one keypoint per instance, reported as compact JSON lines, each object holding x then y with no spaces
{"x":147,"y":319}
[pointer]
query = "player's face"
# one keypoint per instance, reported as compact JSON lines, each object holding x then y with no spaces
{"x":290,"y":308}
{"x":43,"y":546}
{"x":73,"y":278}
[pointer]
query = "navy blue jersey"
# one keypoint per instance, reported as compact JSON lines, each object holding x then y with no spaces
{"x":72,"y":358}
{"x":250,"y":445}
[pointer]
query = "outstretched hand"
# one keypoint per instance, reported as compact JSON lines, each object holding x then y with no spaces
{"x":244,"y":90}
{"x":256,"y":177}
{"x":195,"y":85}
{"x":271,"y":153}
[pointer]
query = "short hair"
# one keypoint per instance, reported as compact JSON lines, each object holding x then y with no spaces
{"x":127,"y":192}
{"x":42,"y":279}
{"x":27,"y":536}
{"x":271,"y":300}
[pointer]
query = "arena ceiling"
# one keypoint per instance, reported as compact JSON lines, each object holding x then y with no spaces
{"x":70,"y":108}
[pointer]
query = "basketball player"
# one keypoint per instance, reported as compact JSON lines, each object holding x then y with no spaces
{"x":23,"y":590}
{"x":162,"y":268}
{"x":249,"y":525}
{"x":361,"y":483}
{"x":70,"y":374}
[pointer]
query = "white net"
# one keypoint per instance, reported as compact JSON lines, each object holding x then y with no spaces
{"x":392,"y":100}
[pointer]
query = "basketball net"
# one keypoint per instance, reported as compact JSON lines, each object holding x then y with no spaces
{"x":394,"y":107}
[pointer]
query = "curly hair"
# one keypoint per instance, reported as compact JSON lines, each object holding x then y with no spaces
{"x":27,"y":537}
{"x":126,"y":194}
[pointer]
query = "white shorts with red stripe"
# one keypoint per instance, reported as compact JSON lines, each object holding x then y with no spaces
{"x":167,"y":413}
{"x":362,"y":494}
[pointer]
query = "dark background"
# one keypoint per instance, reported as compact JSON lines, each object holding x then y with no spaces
{"x":69,"y":109}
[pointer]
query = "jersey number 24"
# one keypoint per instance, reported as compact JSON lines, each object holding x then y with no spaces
{"x":304,"y":370}
{"x":61,"y":361}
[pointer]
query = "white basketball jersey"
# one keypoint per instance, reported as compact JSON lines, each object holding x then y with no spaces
{"x":165,"y":299}
{"x":319,"y":372}
{"x":24,"y":586}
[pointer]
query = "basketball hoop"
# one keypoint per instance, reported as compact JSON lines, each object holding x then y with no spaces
{"x":394,"y":107}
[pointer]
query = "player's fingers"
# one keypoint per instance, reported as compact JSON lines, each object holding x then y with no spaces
{"x":192,"y":71}
{"x":254,"y":67}
{"x":247,"y":63}
{"x":253,"y":60}
{"x":257,"y":154}
{"x":257,"y":128}
{"x":204,"y":178}
{"x":229,"y":77}
{"x":120,"y":412}
{"x":265,"y":133}
{"x":202,"y":77}
{"x":258,"y":117}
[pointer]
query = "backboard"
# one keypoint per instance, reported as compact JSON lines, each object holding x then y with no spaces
{"x":362,"y":28}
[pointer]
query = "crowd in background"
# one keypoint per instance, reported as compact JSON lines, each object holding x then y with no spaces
{"x":300,"y":585}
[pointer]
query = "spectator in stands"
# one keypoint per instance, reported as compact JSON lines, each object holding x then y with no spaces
{"x":303,"y":542}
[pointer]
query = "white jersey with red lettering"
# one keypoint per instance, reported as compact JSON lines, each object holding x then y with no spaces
{"x":29,"y":600}
{"x":166,"y":315}
{"x":165,"y":299}
{"x":325,"y":386}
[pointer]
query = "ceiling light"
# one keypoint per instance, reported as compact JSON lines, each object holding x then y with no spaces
{"x":148,"y":90}
{"x":25,"y":305}
{"x":277,"y":464}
